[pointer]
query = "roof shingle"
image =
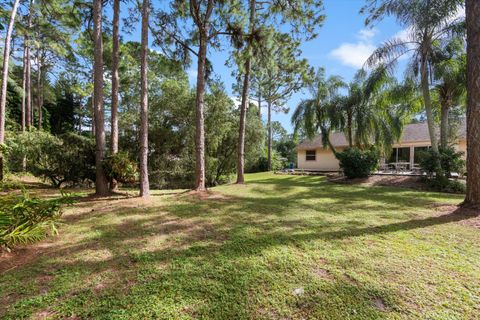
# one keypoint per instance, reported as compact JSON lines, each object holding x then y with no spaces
{"x":415,"y":132}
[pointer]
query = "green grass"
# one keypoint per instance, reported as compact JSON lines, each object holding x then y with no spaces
{"x":281,"y":247}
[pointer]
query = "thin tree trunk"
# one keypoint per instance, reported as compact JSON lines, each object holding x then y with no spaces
{"x":444,"y":124}
{"x":3,"y":93}
{"x":472,"y":198}
{"x":115,"y":84}
{"x":24,"y":87}
{"x":28,"y":83}
{"x":428,"y":105}
{"x":244,"y":104}
{"x":200,"y":129}
{"x":101,"y":182}
{"x":93,"y":105}
{"x":144,"y":184}
{"x":269,"y":125}
{"x":349,"y":128}
{"x":24,"y":82}
{"x":28,"y":90}
{"x":259,"y":104}
{"x":39,"y":90}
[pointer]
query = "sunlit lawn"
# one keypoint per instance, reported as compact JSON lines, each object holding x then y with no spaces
{"x":282,"y":247}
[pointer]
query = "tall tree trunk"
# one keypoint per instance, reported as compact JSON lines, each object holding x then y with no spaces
{"x":101,"y":182}
{"x":428,"y":105}
{"x":244,"y":104}
{"x":200,"y":129}
{"x":472,"y":198}
{"x":39,"y":90}
{"x":24,"y":82}
{"x":269,"y":125}
{"x":445,"y":110}
{"x":28,"y":75}
{"x":144,"y":184}
{"x":24,"y":96}
{"x":3,"y":93}
{"x":28,"y":89}
{"x":115,"y":83}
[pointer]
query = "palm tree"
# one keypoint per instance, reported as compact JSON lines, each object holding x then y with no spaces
{"x":318,"y":113}
{"x":450,"y":74}
{"x":472,"y":198}
{"x":426,"y":22}
{"x":371,"y":112}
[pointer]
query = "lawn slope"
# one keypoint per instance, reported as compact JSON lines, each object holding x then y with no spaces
{"x":280,"y":247}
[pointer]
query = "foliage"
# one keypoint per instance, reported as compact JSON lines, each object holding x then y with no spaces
{"x":121,"y":167}
{"x":69,"y":158}
{"x":357,"y":163}
{"x":25,"y":219}
{"x":443,"y":184}
{"x":261,"y":163}
{"x":450,"y":160}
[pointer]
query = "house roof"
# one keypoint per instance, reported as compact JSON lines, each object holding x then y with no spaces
{"x":415,"y":132}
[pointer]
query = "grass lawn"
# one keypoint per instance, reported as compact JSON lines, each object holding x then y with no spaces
{"x":281,"y":247}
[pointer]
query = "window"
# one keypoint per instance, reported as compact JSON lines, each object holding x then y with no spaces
{"x":400,"y":155}
{"x":418,"y":152}
{"x":311,"y":155}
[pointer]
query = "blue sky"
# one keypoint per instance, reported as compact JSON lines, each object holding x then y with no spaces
{"x":342,"y":46}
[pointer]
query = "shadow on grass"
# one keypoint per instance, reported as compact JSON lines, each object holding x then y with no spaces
{"x":205,"y":258}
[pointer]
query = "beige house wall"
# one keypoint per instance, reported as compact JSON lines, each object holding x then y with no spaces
{"x":326,"y":161}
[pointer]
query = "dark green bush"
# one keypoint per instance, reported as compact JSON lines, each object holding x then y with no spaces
{"x":357,"y":163}
{"x":65,"y":159}
{"x":450,"y":161}
{"x":25,"y":219}
{"x":120,"y":167}
{"x":444,"y":184}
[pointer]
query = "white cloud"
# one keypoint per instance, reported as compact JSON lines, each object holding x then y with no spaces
{"x":367,"y":34}
{"x":355,"y":54}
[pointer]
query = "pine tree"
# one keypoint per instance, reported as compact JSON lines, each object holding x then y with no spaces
{"x":144,"y":184}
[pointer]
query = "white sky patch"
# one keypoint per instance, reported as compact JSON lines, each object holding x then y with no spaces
{"x":355,"y":54}
{"x":237,"y":101}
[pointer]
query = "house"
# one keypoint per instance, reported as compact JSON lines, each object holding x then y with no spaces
{"x":415,"y":137}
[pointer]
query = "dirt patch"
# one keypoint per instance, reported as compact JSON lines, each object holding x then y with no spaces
{"x":22,"y":255}
{"x":322,"y":273}
{"x":379,"y":304}
{"x":412,"y":182}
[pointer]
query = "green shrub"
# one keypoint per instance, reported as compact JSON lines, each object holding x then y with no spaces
{"x":25,"y":219}
{"x":357,"y":163}
{"x":66,"y":159}
{"x":449,"y":159}
{"x":120,"y":167}
{"x":444,"y":184}
{"x":261,"y":163}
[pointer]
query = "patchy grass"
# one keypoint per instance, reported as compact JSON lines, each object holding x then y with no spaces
{"x":281,"y":247}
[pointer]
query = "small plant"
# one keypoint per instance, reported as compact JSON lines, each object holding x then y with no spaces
{"x":357,"y":163}
{"x":25,"y":219}
{"x":120,"y":167}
